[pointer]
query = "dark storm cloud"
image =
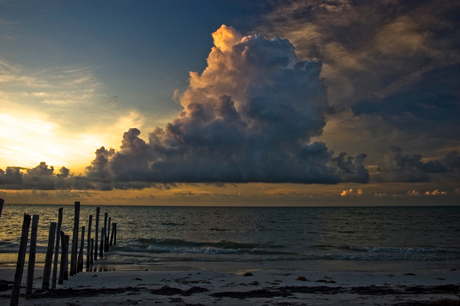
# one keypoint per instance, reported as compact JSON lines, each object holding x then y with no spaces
{"x":11,"y":176}
{"x":452,"y":161}
{"x":394,"y":61}
{"x":369,"y":48}
{"x":40,"y":177}
{"x":429,"y":106}
{"x":400,"y":167}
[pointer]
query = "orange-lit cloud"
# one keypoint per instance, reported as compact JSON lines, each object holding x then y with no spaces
{"x":350,"y":192}
{"x":435,"y":192}
{"x":225,"y":38}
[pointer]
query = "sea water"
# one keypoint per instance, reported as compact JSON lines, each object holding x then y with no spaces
{"x":334,"y":237}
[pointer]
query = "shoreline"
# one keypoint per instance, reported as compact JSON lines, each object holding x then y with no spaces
{"x":248,"y":284}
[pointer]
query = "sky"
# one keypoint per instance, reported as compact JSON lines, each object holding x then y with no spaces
{"x":289,"y":102}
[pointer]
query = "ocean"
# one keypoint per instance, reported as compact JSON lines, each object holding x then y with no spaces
{"x":321,"y":237}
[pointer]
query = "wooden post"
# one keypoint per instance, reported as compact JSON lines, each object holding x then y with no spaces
{"x":91,"y":252}
{"x":108,"y":235}
{"x":49,"y":257}
{"x":32,"y":253}
{"x":63,"y":271}
{"x":101,"y":251}
{"x":80,"y":254}
{"x":113,"y":231}
{"x":96,"y":233}
{"x":88,"y":249}
{"x":1,"y":207}
{"x":61,"y":267}
{"x":106,"y":215}
{"x":21,"y":259}
{"x":56,"y":250}
{"x":76,"y":228}
{"x":115,"y":236}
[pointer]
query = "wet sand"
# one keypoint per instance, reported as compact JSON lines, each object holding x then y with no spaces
{"x":261,"y":285}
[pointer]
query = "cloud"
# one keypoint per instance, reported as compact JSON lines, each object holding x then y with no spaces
{"x":368,"y":48}
{"x":350,"y":192}
{"x":410,"y":168}
{"x":40,"y":177}
{"x":435,"y":192}
{"x":413,"y":193}
{"x":392,"y":62}
{"x":248,"y":117}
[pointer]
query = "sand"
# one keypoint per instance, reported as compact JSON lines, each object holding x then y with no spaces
{"x":245,"y":287}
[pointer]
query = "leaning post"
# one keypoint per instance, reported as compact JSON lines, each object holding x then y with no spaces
{"x":21,"y":259}
{"x":49,"y":257}
{"x":32,"y":253}
{"x":56,"y":250}
{"x":106,"y":215}
{"x":107,"y":240}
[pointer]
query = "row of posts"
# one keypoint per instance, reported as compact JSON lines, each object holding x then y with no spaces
{"x":57,"y":238}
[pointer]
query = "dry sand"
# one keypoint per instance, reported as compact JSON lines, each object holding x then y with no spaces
{"x":245,"y":287}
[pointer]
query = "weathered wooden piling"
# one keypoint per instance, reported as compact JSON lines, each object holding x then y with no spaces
{"x":76,"y":228}
{"x":49,"y":257}
{"x":32,"y":253}
{"x":89,"y":257}
{"x":96,"y":233}
{"x":63,"y":271}
{"x":1,"y":207}
{"x":56,"y":250}
{"x":108,"y":235}
{"x":101,"y":251}
{"x":115,"y":242}
{"x":106,"y":216}
{"x":91,"y":252}
{"x":21,"y":259}
{"x":80,"y":254}
{"x":115,"y":235}
{"x":111,"y":235}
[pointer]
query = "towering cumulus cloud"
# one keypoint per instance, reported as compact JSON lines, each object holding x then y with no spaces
{"x":248,"y":117}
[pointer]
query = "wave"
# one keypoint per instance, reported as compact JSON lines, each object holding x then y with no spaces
{"x":396,"y":250}
{"x":179,"y":243}
{"x":170,"y":249}
{"x":155,"y":245}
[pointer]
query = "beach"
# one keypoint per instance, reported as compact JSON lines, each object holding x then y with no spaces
{"x":261,"y":285}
